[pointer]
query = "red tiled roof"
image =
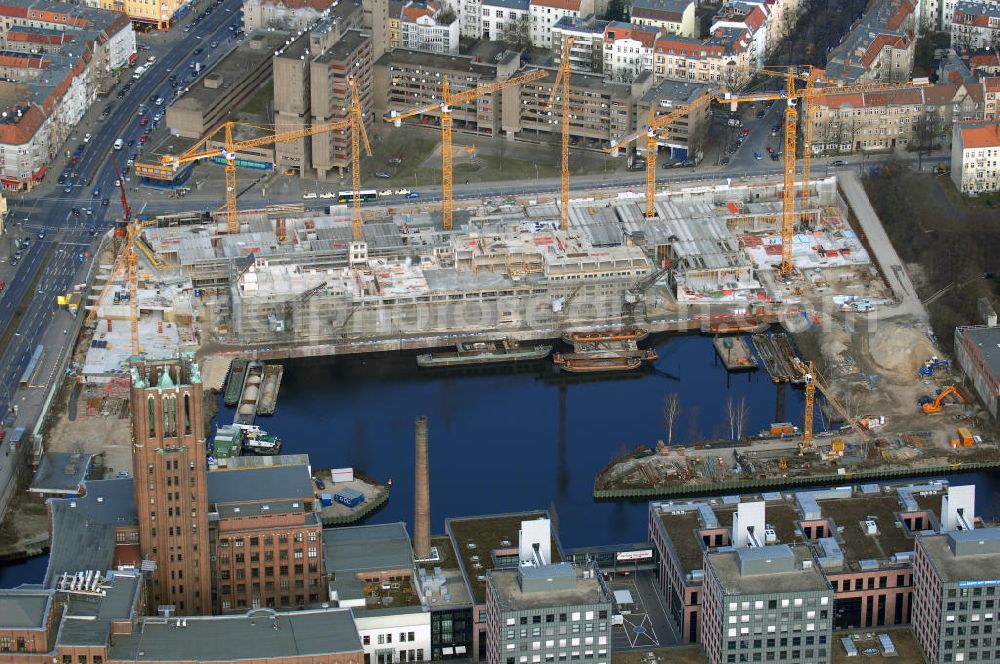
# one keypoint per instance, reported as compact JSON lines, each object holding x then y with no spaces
{"x":756,"y":18}
{"x":566,"y":5}
{"x":905,"y":9}
{"x":645,"y":37}
{"x":412,"y":12}
{"x":20,"y":132}
{"x":16,"y":35}
{"x":984,"y":60}
{"x":987,"y":136}
{"x":25,"y":61}
{"x":681,"y":47}
{"x":880,"y":42}
{"x":991,"y":84}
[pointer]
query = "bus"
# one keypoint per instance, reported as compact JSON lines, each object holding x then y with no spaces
{"x":367,"y":195}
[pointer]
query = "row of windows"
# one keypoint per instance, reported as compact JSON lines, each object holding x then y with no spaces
{"x":385,"y":638}
{"x":298,"y":538}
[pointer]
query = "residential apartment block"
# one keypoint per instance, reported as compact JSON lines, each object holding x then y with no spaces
{"x":55,"y":58}
{"x":911,"y":118}
{"x":751,"y":20}
{"x":861,"y":541}
{"x":975,"y":157}
{"x":587,"y":52}
{"x":975,"y":24}
{"x":628,"y":50}
{"x":956,"y":595}
{"x":879,"y":47}
{"x":506,"y":20}
{"x":545,"y":14}
{"x":312,"y":86}
{"x":160,"y":15}
{"x":424,"y":26}
{"x":723,"y":58}
{"x":674,"y":17}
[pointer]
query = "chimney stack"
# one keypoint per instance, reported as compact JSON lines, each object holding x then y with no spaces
{"x":422,"y":502}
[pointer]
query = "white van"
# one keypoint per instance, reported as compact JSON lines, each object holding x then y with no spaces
{"x":139,"y":71}
{"x":119,"y":144}
{"x":150,"y":60}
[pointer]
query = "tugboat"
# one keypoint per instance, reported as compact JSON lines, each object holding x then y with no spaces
{"x":484,"y":352}
{"x":624,"y":334}
{"x":261,"y":442}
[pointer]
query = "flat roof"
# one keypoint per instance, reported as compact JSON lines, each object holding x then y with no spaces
{"x":726,"y":566}
{"x":259,"y":634}
{"x":83,"y":529}
{"x":362,"y":548}
{"x":24,"y":609}
{"x":61,"y":472}
{"x":849,"y":514}
{"x":88,"y":619}
{"x":987,"y":342}
{"x":486,"y":534}
{"x":507,"y":589}
{"x":955,"y":569}
{"x":251,"y":484}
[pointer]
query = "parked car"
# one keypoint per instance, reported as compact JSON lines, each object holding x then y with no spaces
{"x":838,"y":162}
{"x":775,"y":156}
{"x":143,"y":122}
{"x":159,"y":101}
{"x":413,"y":194}
{"x":105,"y":202}
{"x":320,"y":484}
{"x":68,"y":189}
{"x":725,"y":161}
{"x":757,"y":155}
{"x":386,"y":192}
{"x":97,"y":192}
{"x":402,"y":192}
{"x":383,"y":174}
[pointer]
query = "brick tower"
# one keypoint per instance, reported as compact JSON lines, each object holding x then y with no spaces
{"x":170,"y":483}
{"x":422,"y":498}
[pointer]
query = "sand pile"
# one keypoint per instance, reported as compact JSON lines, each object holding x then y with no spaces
{"x":900,"y":349}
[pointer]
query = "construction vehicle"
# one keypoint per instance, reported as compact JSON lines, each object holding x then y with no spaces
{"x":927,"y":370}
{"x":654,"y":124}
{"x":934,"y":406}
{"x":812,"y":383}
{"x":449,"y":100}
{"x":791,"y":95}
{"x":562,"y":87}
{"x":965,"y":437}
{"x":231,"y":147}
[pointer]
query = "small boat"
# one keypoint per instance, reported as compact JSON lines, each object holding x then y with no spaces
{"x":603,"y":361}
{"x":634,"y":334}
{"x":259,"y":441}
{"x":484,"y":352}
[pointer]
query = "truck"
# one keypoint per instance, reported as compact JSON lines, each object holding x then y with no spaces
{"x":119,"y":144}
{"x":16,"y":438}
{"x":965,"y":437}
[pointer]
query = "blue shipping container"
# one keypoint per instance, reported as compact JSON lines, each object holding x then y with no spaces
{"x":325,"y":499}
{"x":350,"y":497}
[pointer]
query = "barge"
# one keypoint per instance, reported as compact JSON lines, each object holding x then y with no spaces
{"x":633,"y":334}
{"x":269,"y":389}
{"x":592,"y":362}
{"x":234,"y":382}
{"x":484,"y":352}
{"x":246,"y":411}
{"x":735,"y":353}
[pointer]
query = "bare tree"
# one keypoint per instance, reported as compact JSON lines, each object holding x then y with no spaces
{"x":737,"y":413}
{"x":671,"y":409}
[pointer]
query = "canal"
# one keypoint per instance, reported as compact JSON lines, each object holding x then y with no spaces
{"x":511,"y":438}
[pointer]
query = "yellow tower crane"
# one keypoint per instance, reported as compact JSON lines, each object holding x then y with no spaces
{"x":561,"y":87}
{"x":812,"y":383}
{"x":230,"y":148}
{"x":449,"y":100}
{"x":655,"y":123}
{"x":792,"y":95}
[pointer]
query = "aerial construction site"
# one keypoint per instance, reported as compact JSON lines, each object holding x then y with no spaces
{"x":718,"y":257}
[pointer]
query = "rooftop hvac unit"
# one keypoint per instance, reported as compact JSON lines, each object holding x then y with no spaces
{"x":871,"y":528}
{"x":770,"y":537}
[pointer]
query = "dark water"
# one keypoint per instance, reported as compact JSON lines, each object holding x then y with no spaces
{"x":509,"y":438}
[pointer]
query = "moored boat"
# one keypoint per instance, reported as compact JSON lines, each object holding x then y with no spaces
{"x":603,"y":361}
{"x":634,"y":334}
{"x":484,"y":352}
{"x":234,"y":382}
{"x":259,"y":441}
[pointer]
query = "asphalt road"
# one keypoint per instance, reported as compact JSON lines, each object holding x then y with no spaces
{"x":45,"y":215}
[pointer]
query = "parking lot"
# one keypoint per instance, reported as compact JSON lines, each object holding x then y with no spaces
{"x":644,"y":624}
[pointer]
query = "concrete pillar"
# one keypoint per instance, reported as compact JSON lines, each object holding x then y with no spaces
{"x":422,"y":502}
